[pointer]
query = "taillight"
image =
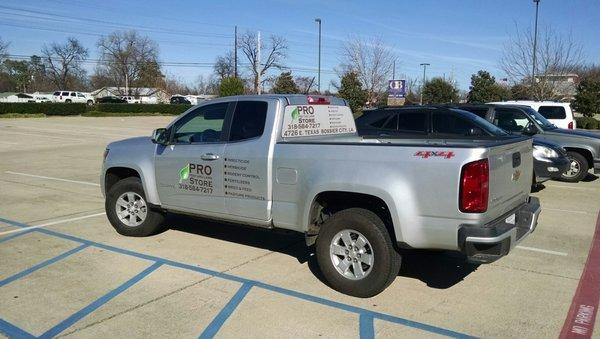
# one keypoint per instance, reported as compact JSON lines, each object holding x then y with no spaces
{"x":571,"y":125}
{"x":474,"y":187}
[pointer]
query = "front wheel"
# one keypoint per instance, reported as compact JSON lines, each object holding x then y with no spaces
{"x":128,"y":211}
{"x":355,"y":253}
{"x":578,"y":168}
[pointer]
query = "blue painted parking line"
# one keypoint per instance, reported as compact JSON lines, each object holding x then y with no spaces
{"x":99,"y":302}
{"x":215,"y":325}
{"x":41,"y":265}
{"x":366,"y":326}
{"x":365,"y":313}
{"x":7,"y":238}
{"x":13,"y":331}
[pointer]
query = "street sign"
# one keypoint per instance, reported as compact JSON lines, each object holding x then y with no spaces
{"x":397,"y":88}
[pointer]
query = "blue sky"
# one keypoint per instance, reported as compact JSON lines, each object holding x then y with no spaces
{"x":456,"y":37}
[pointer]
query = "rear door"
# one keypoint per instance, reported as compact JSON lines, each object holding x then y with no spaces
{"x":247,"y":160}
{"x":189,"y":172}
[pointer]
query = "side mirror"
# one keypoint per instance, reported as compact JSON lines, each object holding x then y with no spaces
{"x":475,"y":131}
{"x":530,"y":129}
{"x":160,"y":136}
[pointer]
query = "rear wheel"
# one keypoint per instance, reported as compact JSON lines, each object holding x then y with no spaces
{"x":128,"y":211}
{"x":578,"y":168}
{"x":68,"y":100}
{"x":355,"y":253}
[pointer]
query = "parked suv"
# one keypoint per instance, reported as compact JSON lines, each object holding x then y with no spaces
{"x":558,"y":113}
{"x":583,"y":147}
{"x":550,"y":160}
{"x":70,"y":96}
{"x":179,"y":100}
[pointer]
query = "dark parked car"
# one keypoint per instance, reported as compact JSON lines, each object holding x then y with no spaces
{"x":583,"y":147}
{"x":549,"y":159}
{"x":178,"y":100}
{"x":111,"y":100}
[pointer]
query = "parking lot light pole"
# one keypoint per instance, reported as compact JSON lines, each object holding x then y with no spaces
{"x":537,"y":4}
{"x":423,"y":83}
{"x":318,"y":21}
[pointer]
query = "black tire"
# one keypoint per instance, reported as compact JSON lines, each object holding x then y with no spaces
{"x":386,"y":260}
{"x":152,"y":224}
{"x":90,"y":102}
{"x":583,"y":167}
{"x":67,"y":101}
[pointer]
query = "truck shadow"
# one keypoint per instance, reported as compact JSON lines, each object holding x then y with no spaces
{"x":440,"y":269}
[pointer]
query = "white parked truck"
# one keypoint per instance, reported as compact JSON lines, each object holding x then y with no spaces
{"x":296,"y":162}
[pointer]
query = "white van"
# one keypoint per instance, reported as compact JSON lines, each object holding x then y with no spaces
{"x":558,"y":113}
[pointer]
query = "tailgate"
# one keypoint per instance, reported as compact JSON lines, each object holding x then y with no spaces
{"x":511,"y":174}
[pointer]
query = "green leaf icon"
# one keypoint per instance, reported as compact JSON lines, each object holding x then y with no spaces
{"x":184,"y":173}
{"x":295,"y":114}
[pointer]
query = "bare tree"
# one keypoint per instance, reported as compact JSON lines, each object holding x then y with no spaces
{"x":272,"y":53}
{"x":125,"y":56}
{"x":63,"y":62}
{"x":305,"y":84}
{"x":3,"y":50}
{"x":225,"y":65}
{"x":556,"y":56}
{"x":207,"y":85}
{"x":372,"y":60}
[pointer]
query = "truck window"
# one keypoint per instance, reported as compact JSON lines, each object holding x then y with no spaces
{"x":204,"y":124}
{"x":445,"y":123}
{"x":414,"y":122}
{"x":73,"y":94}
{"x":511,"y":120}
{"x":553,"y":112}
{"x":248,"y":120}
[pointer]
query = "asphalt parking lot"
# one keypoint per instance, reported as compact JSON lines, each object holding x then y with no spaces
{"x":74,"y":276}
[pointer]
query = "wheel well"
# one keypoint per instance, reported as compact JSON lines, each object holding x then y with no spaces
{"x":327,"y":203}
{"x":116,"y":174}
{"x":586,"y":154}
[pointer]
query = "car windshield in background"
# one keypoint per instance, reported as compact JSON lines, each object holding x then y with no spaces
{"x":543,"y":122}
{"x":482,"y":123}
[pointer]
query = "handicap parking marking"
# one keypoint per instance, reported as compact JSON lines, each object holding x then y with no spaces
{"x":57,"y":329}
{"x":368,"y":316}
{"x":214,"y":327}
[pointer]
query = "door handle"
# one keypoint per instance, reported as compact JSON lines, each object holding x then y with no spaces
{"x":209,"y":156}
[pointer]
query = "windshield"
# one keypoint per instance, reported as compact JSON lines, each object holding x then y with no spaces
{"x":482,"y":123}
{"x":543,"y":122}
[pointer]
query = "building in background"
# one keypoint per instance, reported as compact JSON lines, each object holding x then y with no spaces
{"x":146,"y":95}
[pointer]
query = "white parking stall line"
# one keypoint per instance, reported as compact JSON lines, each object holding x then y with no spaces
{"x":541,"y":250}
{"x":42,"y":136}
{"x":52,"y":178}
{"x":53,"y":223}
{"x":573,"y":187}
{"x":568,"y":211}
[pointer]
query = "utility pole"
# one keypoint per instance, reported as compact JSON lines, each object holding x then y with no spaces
{"x":537,"y":4}
{"x":258,"y":63}
{"x":235,"y":63}
{"x":318,"y":20}
{"x":423,"y":83}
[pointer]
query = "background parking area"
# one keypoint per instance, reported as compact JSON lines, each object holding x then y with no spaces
{"x":75,"y":276}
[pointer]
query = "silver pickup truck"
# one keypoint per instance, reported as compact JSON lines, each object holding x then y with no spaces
{"x":296,"y":162}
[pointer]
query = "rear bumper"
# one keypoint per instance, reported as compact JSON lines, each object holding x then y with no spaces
{"x":550,"y":168}
{"x":488,"y":243}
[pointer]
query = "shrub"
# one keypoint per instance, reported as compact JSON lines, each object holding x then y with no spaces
{"x":231,"y":86}
{"x":48,"y":108}
{"x":587,"y":123}
{"x":141,"y":108}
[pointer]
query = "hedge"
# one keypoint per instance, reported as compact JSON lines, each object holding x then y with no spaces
{"x":587,"y":123}
{"x":48,"y":108}
{"x":141,"y":108}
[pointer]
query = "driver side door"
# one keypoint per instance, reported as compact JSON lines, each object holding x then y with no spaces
{"x":189,"y":171}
